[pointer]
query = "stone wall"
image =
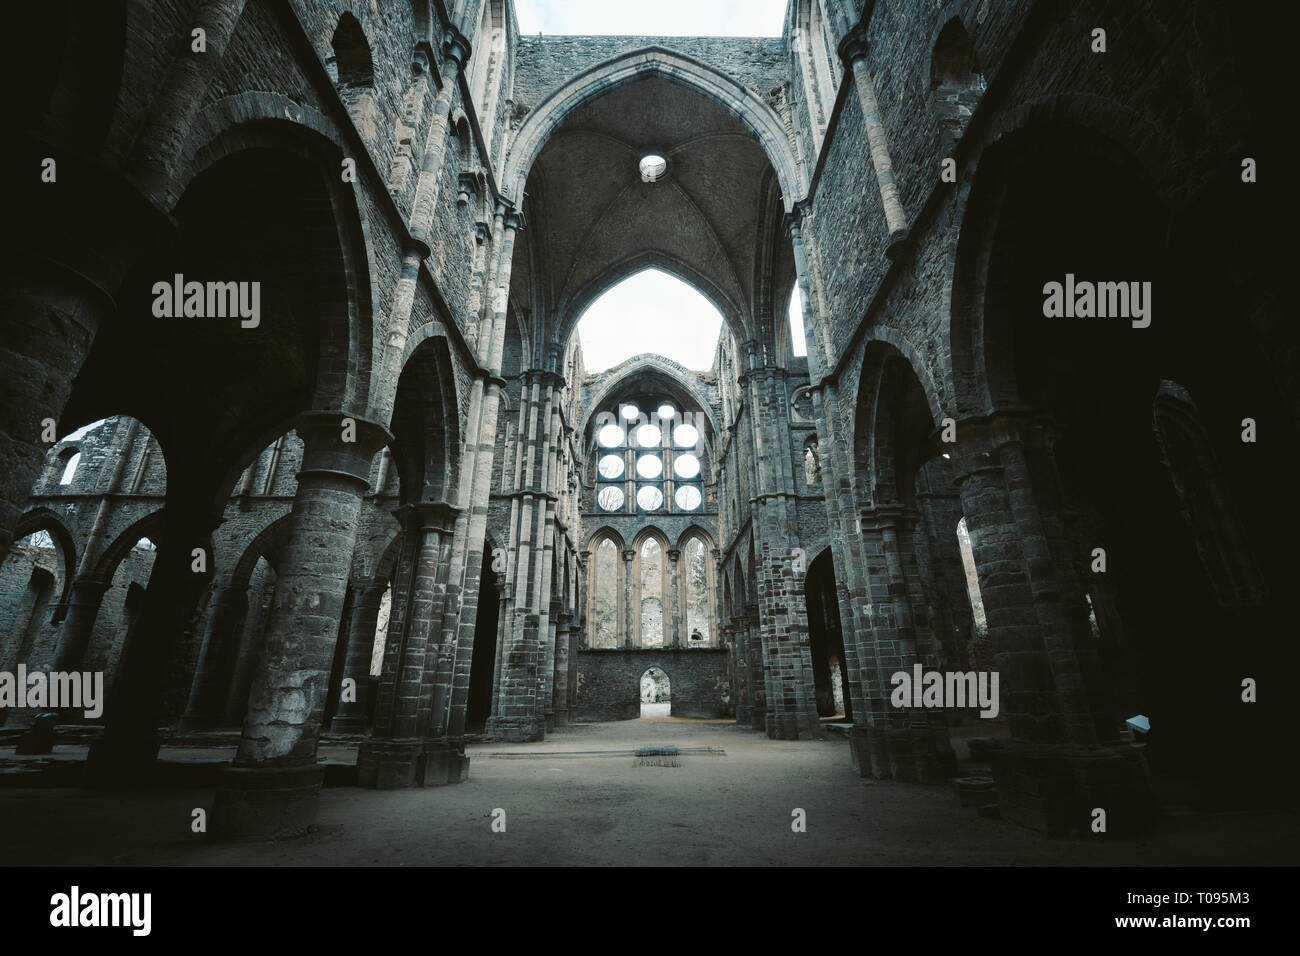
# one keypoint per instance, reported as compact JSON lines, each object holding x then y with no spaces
{"x":609,"y":682}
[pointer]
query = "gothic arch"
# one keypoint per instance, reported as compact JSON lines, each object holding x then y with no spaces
{"x":45,"y":519}
{"x":150,"y":526}
{"x":576,"y":307}
{"x":1113,"y":132}
{"x":706,"y":81}
{"x":246,"y":121}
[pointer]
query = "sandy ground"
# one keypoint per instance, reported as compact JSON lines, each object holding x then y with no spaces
{"x":596,"y":810}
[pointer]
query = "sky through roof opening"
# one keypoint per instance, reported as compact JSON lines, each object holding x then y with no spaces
{"x":798,"y":344}
{"x":722,"y":18}
{"x":651,"y":311}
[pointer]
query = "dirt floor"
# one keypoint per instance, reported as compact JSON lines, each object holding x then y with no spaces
{"x":713,"y":809}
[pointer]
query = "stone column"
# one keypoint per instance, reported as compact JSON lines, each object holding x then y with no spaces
{"x":398,"y":752}
{"x":84,"y":601}
{"x":125,"y":755}
{"x":351,"y":716}
{"x":560,"y":694}
{"x":1047,"y":777}
{"x":675,"y":609}
{"x":853,"y":51}
{"x":740,"y":653}
{"x":630,"y":639}
{"x":203,"y":711}
{"x":271,"y":789}
{"x":476,"y":476}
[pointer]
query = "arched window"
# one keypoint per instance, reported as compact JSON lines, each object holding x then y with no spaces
{"x":604,"y":586}
{"x":381,"y":631}
{"x":650,"y":574}
{"x":955,"y":81}
{"x":812,"y":462}
{"x":70,"y":458}
{"x":697,"y":593}
{"x":351,"y":68}
{"x":649,"y":459}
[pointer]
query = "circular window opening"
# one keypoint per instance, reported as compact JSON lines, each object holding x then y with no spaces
{"x":649,"y":466}
{"x":648,"y":436}
{"x":649,"y":498}
{"x":611,"y":498}
{"x":688,"y":497}
{"x":667,"y":413}
{"x":653,"y":166}
{"x":686,"y":466}
{"x":631,"y":413}
{"x":685,"y":435}
{"x":611,"y":436}
{"x":611,"y":466}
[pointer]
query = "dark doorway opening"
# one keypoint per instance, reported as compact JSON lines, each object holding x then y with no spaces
{"x":826,"y":640}
{"x":482,"y":662}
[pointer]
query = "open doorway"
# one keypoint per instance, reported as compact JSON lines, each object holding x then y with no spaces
{"x":655,"y":693}
{"x":826,"y":641}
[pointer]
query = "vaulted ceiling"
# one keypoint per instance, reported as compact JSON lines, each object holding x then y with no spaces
{"x":592,"y":221}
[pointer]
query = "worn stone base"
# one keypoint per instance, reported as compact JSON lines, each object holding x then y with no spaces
{"x":793,"y":727}
{"x":1056,"y":789}
{"x":549,"y":723}
{"x":445,"y":763}
{"x":265,"y":803}
{"x":758,"y":718}
{"x":561,"y":718}
{"x":113,"y":764}
{"x":348,"y":725}
{"x":516,"y":730}
{"x":389,"y":764}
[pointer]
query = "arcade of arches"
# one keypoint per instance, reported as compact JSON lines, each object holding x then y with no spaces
{"x":388,"y":508}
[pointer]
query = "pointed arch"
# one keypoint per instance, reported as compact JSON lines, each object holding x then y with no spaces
{"x":757,"y":116}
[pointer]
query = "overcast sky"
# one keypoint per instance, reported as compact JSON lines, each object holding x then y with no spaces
{"x":655,"y":312}
{"x":737,"y":18}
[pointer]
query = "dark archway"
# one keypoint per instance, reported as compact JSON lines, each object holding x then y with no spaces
{"x":826,"y":639}
{"x":482,"y":670}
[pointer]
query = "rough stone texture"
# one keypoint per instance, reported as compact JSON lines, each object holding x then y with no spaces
{"x":609,"y":682}
{"x":432,"y":304}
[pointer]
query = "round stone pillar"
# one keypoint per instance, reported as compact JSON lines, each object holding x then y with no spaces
{"x":272,"y":788}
